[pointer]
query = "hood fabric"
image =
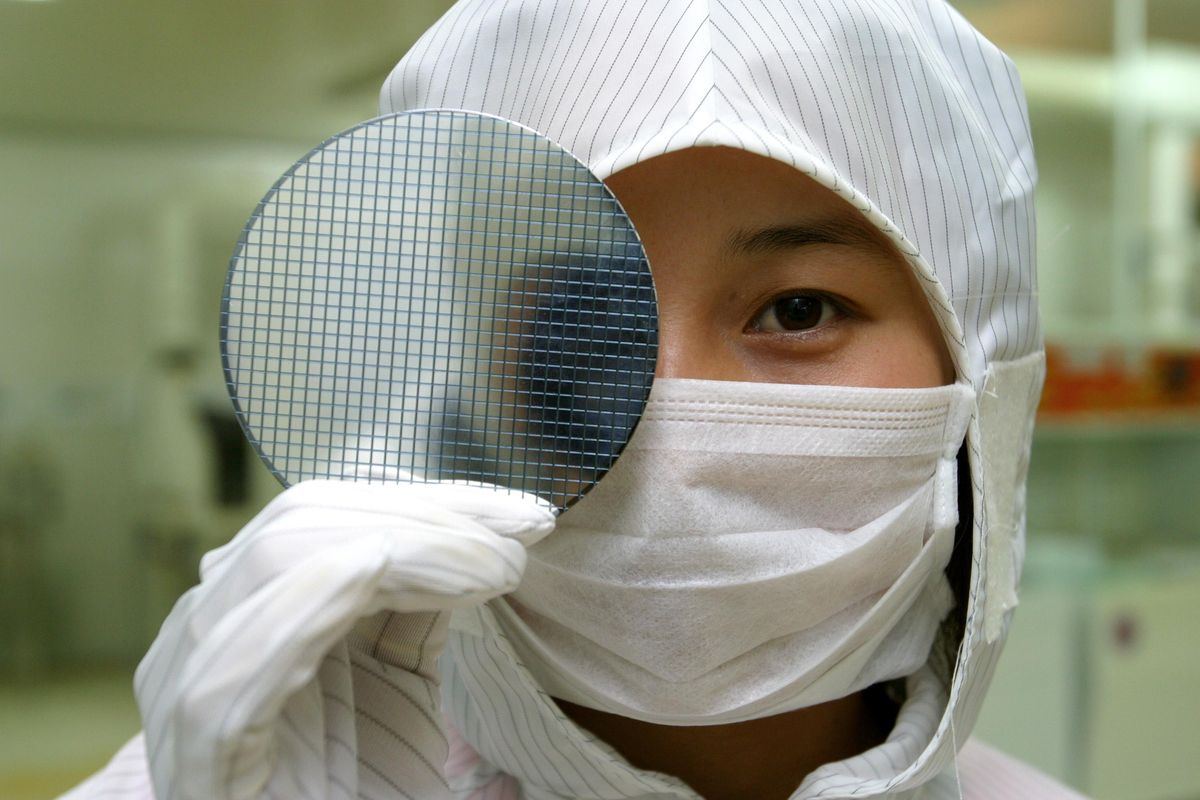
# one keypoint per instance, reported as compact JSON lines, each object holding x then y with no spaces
{"x":898,"y":106}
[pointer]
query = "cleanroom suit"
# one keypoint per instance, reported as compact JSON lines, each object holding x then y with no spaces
{"x":300,"y":666}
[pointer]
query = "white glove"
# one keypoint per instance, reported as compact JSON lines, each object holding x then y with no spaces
{"x":287,"y":666}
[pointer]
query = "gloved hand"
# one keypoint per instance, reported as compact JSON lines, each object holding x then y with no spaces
{"x":312,"y":637}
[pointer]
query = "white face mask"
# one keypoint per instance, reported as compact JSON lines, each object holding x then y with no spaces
{"x":757,"y":548}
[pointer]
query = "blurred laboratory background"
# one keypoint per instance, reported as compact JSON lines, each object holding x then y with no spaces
{"x":136,"y":137}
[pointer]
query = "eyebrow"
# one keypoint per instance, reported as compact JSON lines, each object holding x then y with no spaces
{"x":776,"y":238}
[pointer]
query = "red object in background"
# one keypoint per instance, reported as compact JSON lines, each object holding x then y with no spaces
{"x":1135,"y":383}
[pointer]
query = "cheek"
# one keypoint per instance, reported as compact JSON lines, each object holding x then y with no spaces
{"x":905,"y":357}
{"x":904,"y":347}
{"x":916,"y":370}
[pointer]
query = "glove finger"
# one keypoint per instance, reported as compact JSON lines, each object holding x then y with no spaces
{"x":449,"y":572}
{"x":317,"y":505}
{"x":517,"y":515}
{"x":507,"y":512}
{"x":425,"y":537}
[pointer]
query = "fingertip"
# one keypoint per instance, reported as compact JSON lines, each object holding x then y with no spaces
{"x":532,"y":531}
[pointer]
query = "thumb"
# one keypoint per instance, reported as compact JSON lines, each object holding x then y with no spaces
{"x":513,"y":514}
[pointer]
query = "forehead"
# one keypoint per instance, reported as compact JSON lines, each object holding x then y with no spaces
{"x":741,"y":203}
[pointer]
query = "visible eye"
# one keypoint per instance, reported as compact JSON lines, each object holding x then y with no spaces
{"x":795,"y":312}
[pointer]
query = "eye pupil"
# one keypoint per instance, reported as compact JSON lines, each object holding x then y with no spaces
{"x":798,"y":313}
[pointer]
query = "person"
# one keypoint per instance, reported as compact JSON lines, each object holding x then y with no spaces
{"x":797,"y":579}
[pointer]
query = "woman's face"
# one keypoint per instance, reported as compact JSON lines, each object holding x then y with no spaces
{"x":765,"y":275}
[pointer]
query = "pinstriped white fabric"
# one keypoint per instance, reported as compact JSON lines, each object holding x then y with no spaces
{"x":518,"y":730}
{"x":514,"y":729}
{"x":898,"y":106}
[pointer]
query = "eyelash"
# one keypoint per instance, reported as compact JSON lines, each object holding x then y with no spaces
{"x":831,"y":310}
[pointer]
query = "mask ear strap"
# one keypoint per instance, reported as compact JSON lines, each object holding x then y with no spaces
{"x":948,"y":488}
{"x":945,"y":508}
